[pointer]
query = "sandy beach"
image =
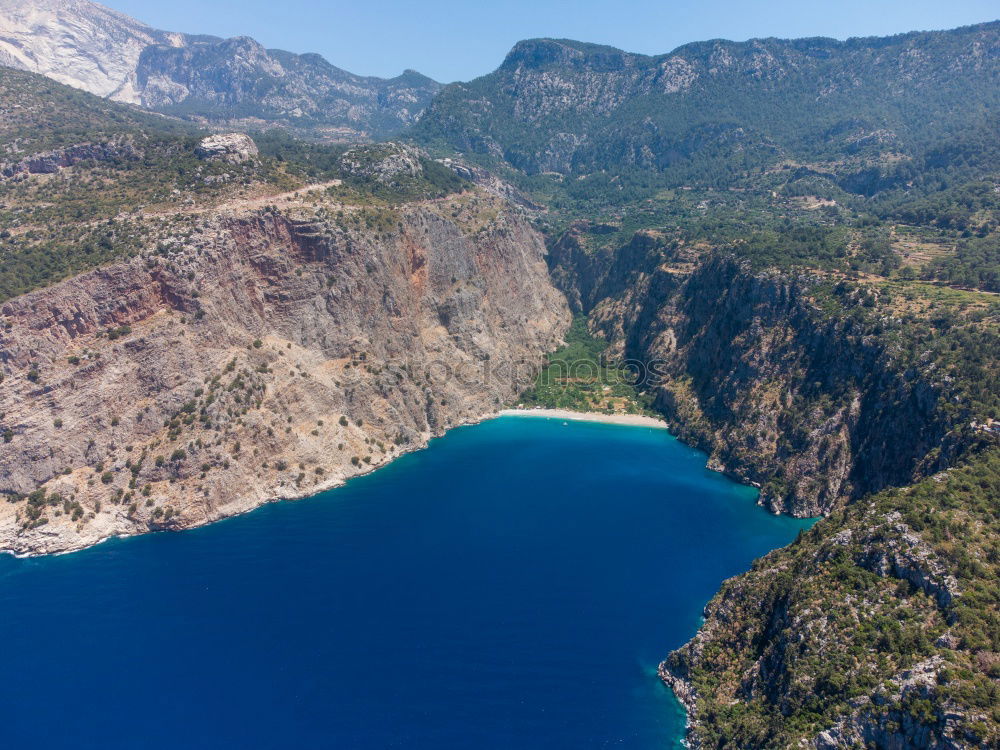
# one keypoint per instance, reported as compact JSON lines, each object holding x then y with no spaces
{"x":635,"y":420}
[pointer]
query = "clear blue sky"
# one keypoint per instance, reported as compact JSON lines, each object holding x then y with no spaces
{"x":461,"y":39}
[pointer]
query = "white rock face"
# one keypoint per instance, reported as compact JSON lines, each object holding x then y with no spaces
{"x":384,"y":163}
{"x":232,"y":147}
{"x":84,"y":44}
{"x":79,"y":43}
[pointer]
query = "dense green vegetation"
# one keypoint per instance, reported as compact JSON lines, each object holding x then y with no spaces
{"x":777,"y":219}
{"x":740,"y":152}
{"x":953,"y":334}
{"x":710,"y":113}
{"x":578,"y":376}
{"x":865,"y":626}
{"x":913,"y":234}
{"x":975,"y":264}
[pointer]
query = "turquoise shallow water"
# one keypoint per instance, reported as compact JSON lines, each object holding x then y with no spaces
{"x":514,"y":585}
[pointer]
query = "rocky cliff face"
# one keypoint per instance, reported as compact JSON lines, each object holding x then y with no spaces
{"x":77,"y":42}
{"x":226,"y":81}
{"x":745,"y":366}
{"x":877,"y":628}
{"x":233,"y":148}
{"x":260,"y":354}
{"x":49,"y":162}
{"x":237,"y":81}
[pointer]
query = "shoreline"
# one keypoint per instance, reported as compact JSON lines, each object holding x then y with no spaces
{"x":679,"y":687}
{"x":631,"y":420}
{"x":252,"y":503}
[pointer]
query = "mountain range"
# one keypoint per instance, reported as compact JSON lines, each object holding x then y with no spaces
{"x":712,"y":112}
{"x":708,"y":112}
{"x":792,"y":245}
{"x":218,"y":82}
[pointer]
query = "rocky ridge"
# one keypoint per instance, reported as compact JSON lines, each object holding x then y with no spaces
{"x":868,"y":631}
{"x":50,"y":162}
{"x":711,"y":112}
{"x":219,"y":82}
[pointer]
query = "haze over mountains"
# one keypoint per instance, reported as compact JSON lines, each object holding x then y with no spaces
{"x":236,"y":82}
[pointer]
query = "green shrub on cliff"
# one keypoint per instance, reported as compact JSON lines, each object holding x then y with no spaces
{"x":828,"y":627}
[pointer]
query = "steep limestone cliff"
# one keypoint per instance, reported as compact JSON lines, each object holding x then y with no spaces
{"x":877,"y":628}
{"x":744,"y":364}
{"x":232,"y":82}
{"x":257,"y":354}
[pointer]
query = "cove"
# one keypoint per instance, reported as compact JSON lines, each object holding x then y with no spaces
{"x":513,"y":585}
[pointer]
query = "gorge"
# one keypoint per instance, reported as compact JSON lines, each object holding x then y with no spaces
{"x":791,"y":245}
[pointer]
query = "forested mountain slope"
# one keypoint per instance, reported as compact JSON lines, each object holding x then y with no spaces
{"x":710,"y":112}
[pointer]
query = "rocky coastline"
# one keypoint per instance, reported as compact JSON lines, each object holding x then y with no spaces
{"x":262,"y":354}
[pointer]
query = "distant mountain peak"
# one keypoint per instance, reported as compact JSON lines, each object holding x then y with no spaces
{"x":232,"y":82}
{"x":543,"y":52}
{"x":77,"y":42}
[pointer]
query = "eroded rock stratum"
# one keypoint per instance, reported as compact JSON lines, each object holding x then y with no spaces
{"x":260,"y":353}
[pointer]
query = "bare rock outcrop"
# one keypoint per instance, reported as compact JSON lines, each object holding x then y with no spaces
{"x":743,"y":366}
{"x":50,"y":162}
{"x":384,"y":163}
{"x":880,"y":723}
{"x":228,"y":82}
{"x":260,"y":354}
{"x":234,"y":148}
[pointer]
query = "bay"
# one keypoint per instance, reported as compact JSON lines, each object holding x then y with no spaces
{"x":513,"y":585}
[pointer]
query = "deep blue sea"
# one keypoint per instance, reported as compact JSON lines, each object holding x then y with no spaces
{"x":512,"y":586}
